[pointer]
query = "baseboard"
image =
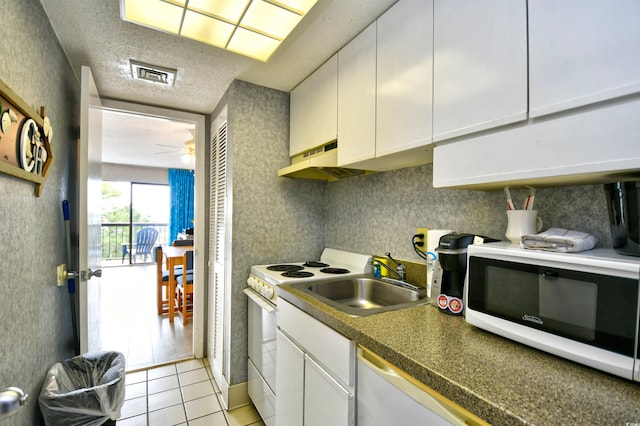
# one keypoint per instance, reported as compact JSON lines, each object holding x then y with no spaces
{"x":238,"y":395}
{"x":233,"y":396}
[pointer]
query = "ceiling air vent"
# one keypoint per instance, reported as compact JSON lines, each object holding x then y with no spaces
{"x":153,"y":73}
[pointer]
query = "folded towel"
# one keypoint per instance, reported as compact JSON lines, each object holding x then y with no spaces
{"x":558,"y":239}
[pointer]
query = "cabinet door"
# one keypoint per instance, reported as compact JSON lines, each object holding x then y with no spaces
{"x":581,"y":52}
{"x":480,"y":65}
{"x":357,"y":98}
{"x":289,"y":382}
{"x":333,"y":350}
{"x":326,"y":402}
{"x":314,"y":109}
{"x":404,"y":76}
{"x":387,"y":397}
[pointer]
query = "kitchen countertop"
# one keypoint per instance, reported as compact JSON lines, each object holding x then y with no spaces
{"x":500,"y":381}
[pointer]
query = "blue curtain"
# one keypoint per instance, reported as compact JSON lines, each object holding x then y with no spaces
{"x":181,"y":186}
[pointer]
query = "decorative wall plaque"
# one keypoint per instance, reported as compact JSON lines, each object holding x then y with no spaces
{"x":25,"y":139}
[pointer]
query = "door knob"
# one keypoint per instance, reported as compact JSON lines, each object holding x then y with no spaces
{"x":11,"y":400}
{"x":64,"y":274}
{"x":96,"y":273}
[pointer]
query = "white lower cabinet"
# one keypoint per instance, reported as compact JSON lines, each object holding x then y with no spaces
{"x":289,"y":382}
{"x":326,"y":402}
{"x":388,"y":396}
{"x":315,"y":372}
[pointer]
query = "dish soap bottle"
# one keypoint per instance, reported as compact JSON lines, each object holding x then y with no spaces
{"x":377,"y":273}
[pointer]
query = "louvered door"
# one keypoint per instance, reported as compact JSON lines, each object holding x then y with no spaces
{"x":217,"y":250}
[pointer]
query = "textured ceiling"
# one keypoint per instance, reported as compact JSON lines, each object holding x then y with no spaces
{"x":92,"y":33}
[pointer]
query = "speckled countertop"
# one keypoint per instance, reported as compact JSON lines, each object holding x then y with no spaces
{"x":501,"y":381}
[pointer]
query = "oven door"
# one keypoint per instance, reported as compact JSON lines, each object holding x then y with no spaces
{"x":262,"y":355}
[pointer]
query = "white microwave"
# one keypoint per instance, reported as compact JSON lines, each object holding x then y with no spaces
{"x":584,"y":307}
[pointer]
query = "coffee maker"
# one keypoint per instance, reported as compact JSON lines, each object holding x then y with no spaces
{"x":447,"y":284}
{"x":623,"y":203}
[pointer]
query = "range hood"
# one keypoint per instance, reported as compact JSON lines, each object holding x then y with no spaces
{"x":319,"y":164}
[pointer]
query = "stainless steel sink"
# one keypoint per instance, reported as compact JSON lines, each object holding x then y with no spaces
{"x":364,"y":296}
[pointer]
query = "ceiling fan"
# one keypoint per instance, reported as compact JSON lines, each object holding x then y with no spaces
{"x":187,"y":151}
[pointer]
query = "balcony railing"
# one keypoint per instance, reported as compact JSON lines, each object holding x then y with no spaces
{"x":116,"y":235}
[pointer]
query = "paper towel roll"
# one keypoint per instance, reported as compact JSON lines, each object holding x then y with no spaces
{"x":433,"y":239}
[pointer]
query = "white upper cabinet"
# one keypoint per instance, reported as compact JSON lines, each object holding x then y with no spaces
{"x":582,"y":52}
{"x":314,"y":109}
{"x":404,"y":78}
{"x":384,"y":91}
{"x":480,"y":65}
{"x":357,"y":98}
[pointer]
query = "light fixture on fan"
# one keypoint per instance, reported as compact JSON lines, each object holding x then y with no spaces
{"x":189,"y":150}
{"x":253,"y":28}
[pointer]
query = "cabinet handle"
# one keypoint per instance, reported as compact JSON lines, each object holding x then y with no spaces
{"x":259,"y":301}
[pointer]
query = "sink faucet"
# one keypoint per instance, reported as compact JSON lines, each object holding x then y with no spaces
{"x":398,"y":272}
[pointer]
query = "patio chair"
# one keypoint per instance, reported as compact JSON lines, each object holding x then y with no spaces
{"x":145,"y":240}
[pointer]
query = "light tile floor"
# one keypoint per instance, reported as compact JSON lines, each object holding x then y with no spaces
{"x":144,"y":337}
{"x":182,"y":393}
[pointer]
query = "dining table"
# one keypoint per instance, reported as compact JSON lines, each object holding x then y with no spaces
{"x":173,"y":257}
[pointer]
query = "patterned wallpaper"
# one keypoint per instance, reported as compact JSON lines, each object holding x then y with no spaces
{"x":380,"y":213}
{"x":274,"y":219}
{"x":34,"y":313}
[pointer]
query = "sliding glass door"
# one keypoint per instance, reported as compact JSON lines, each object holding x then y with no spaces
{"x":135,"y":217}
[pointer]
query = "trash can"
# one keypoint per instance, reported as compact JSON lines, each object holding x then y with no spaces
{"x":84,"y":390}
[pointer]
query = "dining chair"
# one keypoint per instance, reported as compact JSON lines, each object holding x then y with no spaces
{"x":184,"y":289}
{"x":162,"y":277}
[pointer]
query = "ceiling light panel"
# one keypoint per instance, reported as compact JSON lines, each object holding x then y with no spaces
{"x":261,"y":24}
{"x":165,"y":17}
{"x":206,"y":29}
{"x":253,"y":45}
{"x":229,"y":10}
{"x":301,"y":7}
{"x":269,"y":19}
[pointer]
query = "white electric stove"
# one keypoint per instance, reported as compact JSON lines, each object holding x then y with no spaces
{"x":332,"y":264}
{"x":261,"y":315}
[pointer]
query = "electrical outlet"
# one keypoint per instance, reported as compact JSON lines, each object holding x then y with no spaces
{"x":423,"y":232}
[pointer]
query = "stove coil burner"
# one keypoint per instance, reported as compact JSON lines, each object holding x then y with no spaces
{"x":282,"y":268}
{"x":314,"y":264}
{"x":336,"y":271}
{"x":297,"y":274}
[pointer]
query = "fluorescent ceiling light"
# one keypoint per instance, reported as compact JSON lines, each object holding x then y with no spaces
{"x":253,"y":28}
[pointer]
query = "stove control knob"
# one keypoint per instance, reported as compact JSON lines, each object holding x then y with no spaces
{"x":250,"y":282}
{"x":268,"y":292}
{"x":256,"y":283}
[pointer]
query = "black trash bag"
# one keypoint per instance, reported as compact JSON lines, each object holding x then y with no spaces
{"x":84,"y":390}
